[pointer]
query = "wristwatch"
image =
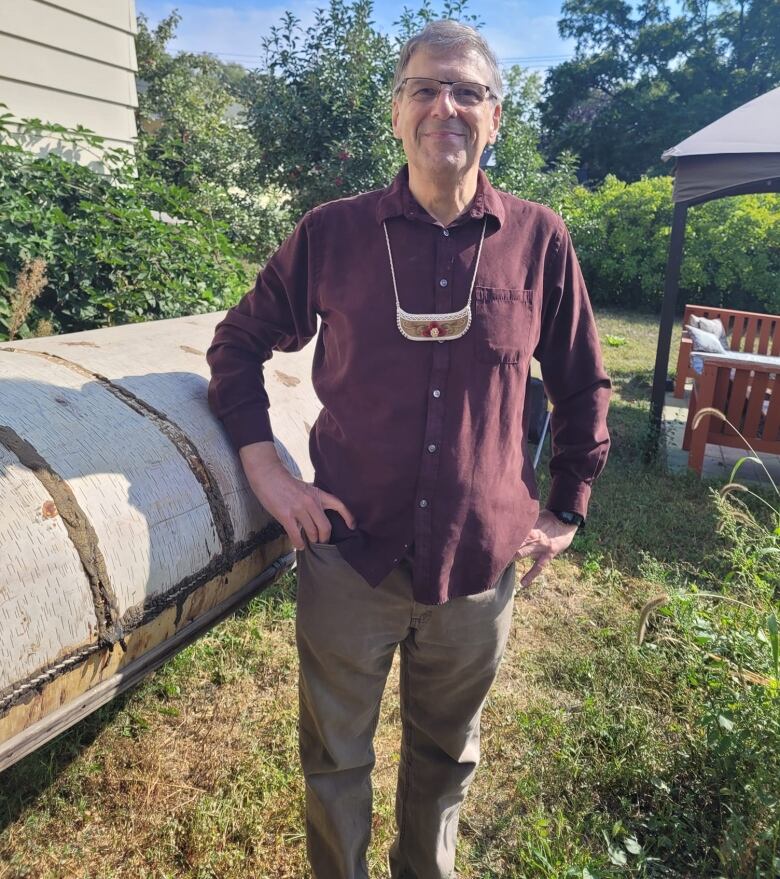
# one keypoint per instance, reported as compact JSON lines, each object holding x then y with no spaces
{"x":568,"y":517}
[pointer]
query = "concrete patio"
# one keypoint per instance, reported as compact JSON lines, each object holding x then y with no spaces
{"x":718,"y":460}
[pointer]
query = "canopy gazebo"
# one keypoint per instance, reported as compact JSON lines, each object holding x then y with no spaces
{"x":735,"y":155}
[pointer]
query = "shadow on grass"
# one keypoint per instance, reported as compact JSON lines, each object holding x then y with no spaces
{"x":633,"y":387}
{"x":22,"y":783}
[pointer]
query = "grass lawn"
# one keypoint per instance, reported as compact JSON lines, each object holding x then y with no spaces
{"x":600,"y":758}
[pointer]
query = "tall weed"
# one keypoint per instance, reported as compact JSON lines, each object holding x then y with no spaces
{"x":727,"y":632}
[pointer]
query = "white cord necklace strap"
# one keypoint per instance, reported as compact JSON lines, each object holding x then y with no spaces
{"x":442,"y":327}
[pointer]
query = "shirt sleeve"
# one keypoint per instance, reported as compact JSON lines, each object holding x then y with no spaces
{"x":278,"y":314}
{"x":578,"y":387}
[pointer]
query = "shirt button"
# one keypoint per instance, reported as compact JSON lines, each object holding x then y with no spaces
{"x":446,"y":233}
{"x":395,"y":561}
{"x":432,"y":448}
{"x":437,"y":393}
{"x":423,"y":503}
{"x":443,"y":282}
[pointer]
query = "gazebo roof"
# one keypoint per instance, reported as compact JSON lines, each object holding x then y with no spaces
{"x":738,"y":153}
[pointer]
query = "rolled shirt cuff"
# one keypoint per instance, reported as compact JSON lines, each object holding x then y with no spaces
{"x":569,"y":494}
{"x":244,"y":431}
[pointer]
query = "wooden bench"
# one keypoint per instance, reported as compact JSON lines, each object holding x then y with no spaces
{"x":748,"y":331}
{"x":747,"y":390}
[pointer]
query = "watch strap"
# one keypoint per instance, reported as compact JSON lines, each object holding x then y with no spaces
{"x":568,"y":517}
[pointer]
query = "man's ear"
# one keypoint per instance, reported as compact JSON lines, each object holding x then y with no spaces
{"x":396,"y":110}
{"x":495,"y":123}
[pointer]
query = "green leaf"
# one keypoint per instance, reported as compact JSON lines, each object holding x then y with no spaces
{"x":632,"y":845}
{"x":724,"y":723}
{"x":617,"y":856}
{"x":774,"y":638}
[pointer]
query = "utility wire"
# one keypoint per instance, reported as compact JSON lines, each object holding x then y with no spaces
{"x":534,"y":61}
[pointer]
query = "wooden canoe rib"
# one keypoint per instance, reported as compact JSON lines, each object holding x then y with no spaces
{"x":127,"y":527}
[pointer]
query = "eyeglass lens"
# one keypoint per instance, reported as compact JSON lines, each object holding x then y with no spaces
{"x":465,"y":94}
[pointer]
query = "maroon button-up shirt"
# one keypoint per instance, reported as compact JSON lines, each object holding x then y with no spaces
{"x":425,"y":442}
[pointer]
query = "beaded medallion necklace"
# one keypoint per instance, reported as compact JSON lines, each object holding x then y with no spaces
{"x":434,"y":327}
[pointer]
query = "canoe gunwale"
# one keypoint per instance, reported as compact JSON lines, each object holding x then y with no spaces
{"x":137,"y":616}
{"x":34,"y":735}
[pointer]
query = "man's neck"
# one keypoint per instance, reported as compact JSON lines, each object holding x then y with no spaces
{"x":444,"y":198}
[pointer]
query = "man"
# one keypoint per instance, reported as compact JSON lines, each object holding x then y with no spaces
{"x":433,"y":294}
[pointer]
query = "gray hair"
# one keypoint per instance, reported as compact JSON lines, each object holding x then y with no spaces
{"x":443,"y":36}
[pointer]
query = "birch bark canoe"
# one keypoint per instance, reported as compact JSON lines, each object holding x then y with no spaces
{"x":126,"y":524}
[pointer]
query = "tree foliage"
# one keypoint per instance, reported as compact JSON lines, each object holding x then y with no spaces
{"x":312,"y":123}
{"x":519,"y":165}
{"x":621,"y":232}
{"x":184,"y":107}
{"x":643,"y":79}
{"x":191,"y":125}
{"x":235,"y":157}
{"x":109,"y":255}
{"x":319,"y":107}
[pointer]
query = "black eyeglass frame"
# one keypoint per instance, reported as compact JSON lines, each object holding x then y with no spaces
{"x":489,"y":93}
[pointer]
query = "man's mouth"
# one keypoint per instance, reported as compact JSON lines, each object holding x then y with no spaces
{"x":443,"y":134}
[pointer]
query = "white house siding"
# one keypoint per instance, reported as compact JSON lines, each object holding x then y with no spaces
{"x":71,"y":62}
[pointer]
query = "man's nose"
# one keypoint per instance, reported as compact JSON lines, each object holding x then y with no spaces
{"x":444,"y":105}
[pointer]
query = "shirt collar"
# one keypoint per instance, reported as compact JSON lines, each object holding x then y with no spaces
{"x":397,"y":200}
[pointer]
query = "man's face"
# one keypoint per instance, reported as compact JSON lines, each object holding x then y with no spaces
{"x":441,"y":137}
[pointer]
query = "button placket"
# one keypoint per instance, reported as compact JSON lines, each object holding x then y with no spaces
{"x":442,"y":278}
{"x":429,"y":467}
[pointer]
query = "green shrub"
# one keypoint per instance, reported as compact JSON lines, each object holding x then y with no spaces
{"x":190,"y":125}
{"x":110,"y":257}
{"x":255,"y":220}
{"x":319,"y":108}
{"x":731,"y":256}
{"x":725,"y":813}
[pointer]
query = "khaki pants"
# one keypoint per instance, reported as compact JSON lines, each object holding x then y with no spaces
{"x":347,"y":634}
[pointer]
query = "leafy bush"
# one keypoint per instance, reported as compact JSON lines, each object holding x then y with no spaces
{"x":110,"y":257}
{"x":621,"y":231}
{"x":191,"y":126}
{"x":728,"y":636}
{"x":319,"y":108}
{"x":519,"y":166}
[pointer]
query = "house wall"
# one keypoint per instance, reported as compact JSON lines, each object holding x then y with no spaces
{"x":71,"y":62}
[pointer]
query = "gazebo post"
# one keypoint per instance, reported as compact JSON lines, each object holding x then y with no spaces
{"x":671,"y":289}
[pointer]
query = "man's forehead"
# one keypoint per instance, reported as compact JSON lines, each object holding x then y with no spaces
{"x":427,"y":62}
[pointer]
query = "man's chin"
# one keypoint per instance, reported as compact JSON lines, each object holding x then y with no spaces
{"x":446,"y":163}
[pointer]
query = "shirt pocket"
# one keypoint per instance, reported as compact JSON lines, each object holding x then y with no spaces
{"x":502,"y":324}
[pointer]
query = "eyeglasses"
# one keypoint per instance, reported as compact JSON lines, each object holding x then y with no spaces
{"x":426,"y":91}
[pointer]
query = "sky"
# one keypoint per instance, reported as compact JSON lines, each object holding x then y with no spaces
{"x":520,"y":31}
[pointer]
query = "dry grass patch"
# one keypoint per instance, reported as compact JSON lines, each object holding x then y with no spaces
{"x":188,"y":777}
